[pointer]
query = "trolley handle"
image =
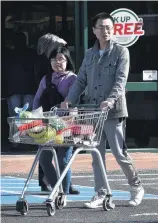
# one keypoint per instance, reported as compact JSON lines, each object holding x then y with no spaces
{"x":79,"y":106}
{"x":84,"y":106}
{"x":90,"y":107}
{"x":95,"y":107}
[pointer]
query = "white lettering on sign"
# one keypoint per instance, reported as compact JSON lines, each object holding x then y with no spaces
{"x":149,"y":75}
{"x":127,"y":27}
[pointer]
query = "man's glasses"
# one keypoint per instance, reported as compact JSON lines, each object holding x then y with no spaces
{"x":107,"y":28}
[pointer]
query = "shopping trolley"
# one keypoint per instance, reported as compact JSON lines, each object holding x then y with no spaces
{"x":79,"y":127}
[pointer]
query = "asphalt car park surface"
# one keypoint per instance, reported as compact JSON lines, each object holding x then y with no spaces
{"x":12,"y":185}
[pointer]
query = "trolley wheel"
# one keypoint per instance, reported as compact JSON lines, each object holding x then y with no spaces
{"x":59,"y":201}
{"x":22,"y":207}
{"x":108,"y":204}
{"x":50,"y":209}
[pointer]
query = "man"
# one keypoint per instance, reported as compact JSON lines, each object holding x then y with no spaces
{"x":104,"y":71}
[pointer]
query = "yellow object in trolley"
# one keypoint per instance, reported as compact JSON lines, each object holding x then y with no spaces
{"x":49,"y":135}
{"x":59,"y":139}
{"x":37,"y":135}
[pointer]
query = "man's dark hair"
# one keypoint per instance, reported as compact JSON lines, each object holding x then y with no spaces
{"x":102,"y":15}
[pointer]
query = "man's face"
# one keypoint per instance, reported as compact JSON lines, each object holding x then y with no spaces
{"x":103,"y":30}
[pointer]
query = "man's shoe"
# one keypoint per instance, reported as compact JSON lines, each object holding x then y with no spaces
{"x":65,"y":201}
{"x":137,"y":195}
{"x":96,"y":202}
{"x":46,"y":188}
{"x":72,"y":190}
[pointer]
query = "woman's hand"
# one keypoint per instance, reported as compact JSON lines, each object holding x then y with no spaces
{"x":64,"y":104}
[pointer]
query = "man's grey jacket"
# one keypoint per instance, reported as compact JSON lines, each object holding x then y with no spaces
{"x":105,"y":78}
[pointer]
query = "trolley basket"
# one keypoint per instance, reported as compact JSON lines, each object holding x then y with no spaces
{"x":60,"y":127}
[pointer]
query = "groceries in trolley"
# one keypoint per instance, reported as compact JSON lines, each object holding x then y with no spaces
{"x":58,"y":127}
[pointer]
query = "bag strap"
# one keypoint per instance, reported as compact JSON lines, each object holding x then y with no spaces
{"x":49,"y":83}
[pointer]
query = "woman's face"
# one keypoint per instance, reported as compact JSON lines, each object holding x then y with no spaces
{"x":59,"y":63}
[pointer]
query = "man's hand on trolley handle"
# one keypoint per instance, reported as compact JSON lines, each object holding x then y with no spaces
{"x":106,"y":105}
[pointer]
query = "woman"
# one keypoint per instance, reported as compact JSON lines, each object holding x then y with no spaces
{"x":46,"y":44}
{"x":61,"y":73}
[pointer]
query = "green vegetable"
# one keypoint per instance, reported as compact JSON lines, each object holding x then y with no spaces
{"x":26,"y":114}
{"x":57,"y":123}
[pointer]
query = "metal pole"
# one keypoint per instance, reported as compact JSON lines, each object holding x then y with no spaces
{"x":85,"y":35}
{"x":85,"y":25}
{"x":77,"y":35}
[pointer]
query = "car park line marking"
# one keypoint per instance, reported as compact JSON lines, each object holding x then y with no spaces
{"x":144,"y":214}
{"x":145,"y":184}
{"x":143,"y":179}
{"x":114,"y":175}
{"x":14,"y":178}
{"x":21,"y":187}
{"x":18,"y":183}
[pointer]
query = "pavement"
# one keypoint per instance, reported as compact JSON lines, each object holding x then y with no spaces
{"x":17,"y":163}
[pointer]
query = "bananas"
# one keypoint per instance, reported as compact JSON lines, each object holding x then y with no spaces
{"x":58,"y":139}
{"x":37,"y":135}
{"x":44,"y":136}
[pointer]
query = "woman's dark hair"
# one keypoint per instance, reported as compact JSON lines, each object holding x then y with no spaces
{"x":65,"y":51}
